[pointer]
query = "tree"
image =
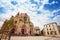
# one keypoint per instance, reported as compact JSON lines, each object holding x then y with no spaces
{"x":7,"y":24}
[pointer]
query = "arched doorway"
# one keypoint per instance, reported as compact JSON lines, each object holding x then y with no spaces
{"x":23,"y":30}
{"x":42,"y":33}
{"x":12,"y":32}
{"x":31,"y":30}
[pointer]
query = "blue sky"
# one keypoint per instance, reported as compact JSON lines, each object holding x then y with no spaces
{"x":40,"y":11}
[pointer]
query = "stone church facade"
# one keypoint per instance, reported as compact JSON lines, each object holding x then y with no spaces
{"x":23,"y":24}
{"x":50,"y":29}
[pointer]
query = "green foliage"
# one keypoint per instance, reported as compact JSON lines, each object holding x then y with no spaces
{"x":7,"y":24}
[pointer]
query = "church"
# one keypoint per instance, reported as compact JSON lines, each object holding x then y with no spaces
{"x":23,"y":25}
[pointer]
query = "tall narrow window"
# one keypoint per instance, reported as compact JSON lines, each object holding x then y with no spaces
{"x":51,"y":32}
{"x":55,"y":33}
{"x":15,"y":21}
{"x":49,"y":25}
{"x":25,"y":18}
{"x":20,"y":19}
{"x":48,"y":33}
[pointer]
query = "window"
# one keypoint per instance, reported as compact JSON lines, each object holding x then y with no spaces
{"x":12,"y":31}
{"x":47,"y":28}
{"x":30,"y":25}
{"x":55,"y":33}
{"x":15,"y":21}
{"x":44,"y":26}
{"x":48,"y":33}
{"x":51,"y":32}
{"x":20,"y":19}
{"x":25,"y":18}
{"x":49,"y":25}
{"x":50,"y":28}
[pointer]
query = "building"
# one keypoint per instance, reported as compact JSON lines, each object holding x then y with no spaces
{"x":23,"y":25}
{"x":37,"y":31}
{"x":50,"y":29}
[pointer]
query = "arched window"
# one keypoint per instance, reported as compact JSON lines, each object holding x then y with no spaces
{"x":51,"y":32}
{"x":48,"y":33}
{"x":55,"y":33}
{"x":20,"y":19}
{"x":15,"y":22}
{"x":25,"y":18}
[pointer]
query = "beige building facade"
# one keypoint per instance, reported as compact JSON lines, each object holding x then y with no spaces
{"x":50,"y":29}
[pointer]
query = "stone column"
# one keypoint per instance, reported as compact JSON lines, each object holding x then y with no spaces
{"x":45,"y":30}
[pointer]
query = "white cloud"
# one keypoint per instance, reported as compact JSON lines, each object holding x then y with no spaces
{"x":57,"y":19}
{"x":45,"y":1}
{"x":21,"y":0}
{"x":25,"y":6}
{"x":53,"y":2}
{"x":37,"y":0}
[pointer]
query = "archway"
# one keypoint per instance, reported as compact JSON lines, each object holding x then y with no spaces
{"x":12,"y":32}
{"x":23,"y":30}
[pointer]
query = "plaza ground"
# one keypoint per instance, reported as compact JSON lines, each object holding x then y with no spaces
{"x":34,"y":38}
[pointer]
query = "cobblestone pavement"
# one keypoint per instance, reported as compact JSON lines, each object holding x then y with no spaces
{"x":34,"y":38}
